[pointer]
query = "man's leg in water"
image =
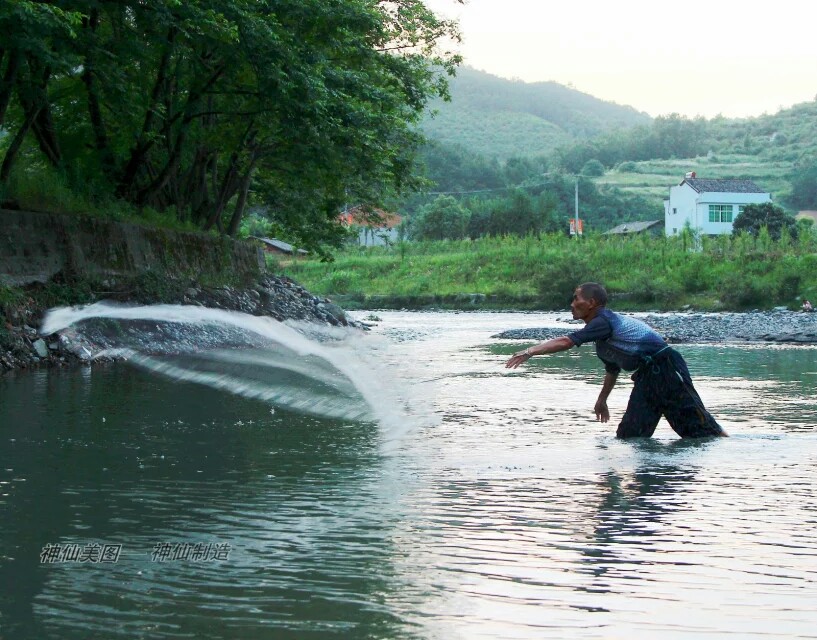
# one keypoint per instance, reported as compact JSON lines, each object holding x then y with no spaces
{"x":683,"y":407}
{"x":642,"y":414}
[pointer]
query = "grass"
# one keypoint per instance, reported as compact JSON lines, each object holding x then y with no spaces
{"x":39,"y":187}
{"x":720,"y":273}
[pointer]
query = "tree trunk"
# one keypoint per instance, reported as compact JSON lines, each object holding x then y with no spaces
{"x":143,"y":142}
{"x":14,"y":147}
{"x":33,"y":94}
{"x":241,"y":203}
{"x":160,"y":182}
{"x":7,"y":83}
{"x":229,"y":185}
{"x":101,"y":142}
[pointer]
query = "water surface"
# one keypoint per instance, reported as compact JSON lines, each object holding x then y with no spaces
{"x":507,"y":513}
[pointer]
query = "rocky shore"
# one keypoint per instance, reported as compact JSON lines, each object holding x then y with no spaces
{"x":22,"y":346}
{"x":779,"y":326}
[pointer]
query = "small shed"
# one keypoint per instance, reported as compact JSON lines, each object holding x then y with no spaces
{"x":279,"y":247}
{"x":653,"y":227}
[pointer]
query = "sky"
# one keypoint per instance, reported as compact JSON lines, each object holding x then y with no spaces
{"x":693,"y":57}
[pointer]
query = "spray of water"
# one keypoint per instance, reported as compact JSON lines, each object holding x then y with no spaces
{"x":303,"y":367}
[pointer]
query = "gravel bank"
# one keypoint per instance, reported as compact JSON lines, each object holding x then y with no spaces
{"x":278,"y":297}
{"x":785,"y":327}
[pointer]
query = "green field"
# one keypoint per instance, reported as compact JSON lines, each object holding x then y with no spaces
{"x":721,"y":273}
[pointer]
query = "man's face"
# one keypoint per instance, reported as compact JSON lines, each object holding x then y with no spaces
{"x":582,"y":307}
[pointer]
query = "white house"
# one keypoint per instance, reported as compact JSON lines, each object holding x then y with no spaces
{"x":710,"y":206}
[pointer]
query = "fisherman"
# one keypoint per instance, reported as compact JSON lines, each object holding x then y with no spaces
{"x":662,"y":384}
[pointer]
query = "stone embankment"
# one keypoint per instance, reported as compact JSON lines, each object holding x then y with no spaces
{"x":784,"y":327}
{"x":47,"y":257}
{"x":274,"y":296}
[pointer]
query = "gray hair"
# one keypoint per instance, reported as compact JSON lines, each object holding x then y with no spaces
{"x":595,"y":291}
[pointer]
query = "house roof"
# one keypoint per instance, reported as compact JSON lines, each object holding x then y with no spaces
{"x":634,"y":227}
{"x":809,"y":215}
{"x":278,"y":244}
{"x":370,"y":217}
{"x":703,"y":185}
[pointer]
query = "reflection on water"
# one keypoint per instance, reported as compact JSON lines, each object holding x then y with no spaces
{"x":516,"y":515}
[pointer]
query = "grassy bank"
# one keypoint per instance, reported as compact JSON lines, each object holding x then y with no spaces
{"x":721,"y":273}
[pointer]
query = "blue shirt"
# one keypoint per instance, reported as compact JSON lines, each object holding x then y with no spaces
{"x":621,"y":341}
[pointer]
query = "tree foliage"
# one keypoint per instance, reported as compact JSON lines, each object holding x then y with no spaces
{"x":804,"y":186}
{"x":197,"y":107}
{"x":443,"y":219}
{"x":765,"y":220}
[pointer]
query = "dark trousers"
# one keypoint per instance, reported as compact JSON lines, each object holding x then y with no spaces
{"x":663,"y":386}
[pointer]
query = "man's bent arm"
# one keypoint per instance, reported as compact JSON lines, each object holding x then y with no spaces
{"x":602,"y":412}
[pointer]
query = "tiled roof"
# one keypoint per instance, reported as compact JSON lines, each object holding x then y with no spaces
{"x":278,"y":244}
{"x":359,"y":215}
{"x":702,"y":185}
{"x":634,"y":227}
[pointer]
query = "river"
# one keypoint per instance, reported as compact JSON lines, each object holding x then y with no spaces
{"x":491,"y":505}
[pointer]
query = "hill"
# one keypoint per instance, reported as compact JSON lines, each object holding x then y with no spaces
{"x":501,"y":118}
{"x":497,"y":134}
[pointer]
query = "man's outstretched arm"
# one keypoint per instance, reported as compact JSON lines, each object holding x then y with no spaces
{"x":555,"y":345}
{"x":602,"y":412}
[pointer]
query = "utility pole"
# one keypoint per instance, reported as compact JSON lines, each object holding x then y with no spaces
{"x":577,"y":207}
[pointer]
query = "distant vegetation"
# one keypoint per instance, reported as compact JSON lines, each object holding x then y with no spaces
{"x":626,"y":160}
{"x":194,"y":110}
{"x":503,"y":118}
{"x":641,"y":272}
{"x":191,"y":114}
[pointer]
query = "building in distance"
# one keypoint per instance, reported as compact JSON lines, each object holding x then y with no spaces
{"x":709,"y":206}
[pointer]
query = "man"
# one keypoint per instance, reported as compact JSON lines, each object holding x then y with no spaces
{"x":662,"y":384}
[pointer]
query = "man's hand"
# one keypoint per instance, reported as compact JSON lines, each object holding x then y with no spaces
{"x":602,"y":412}
{"x":518,"y":358}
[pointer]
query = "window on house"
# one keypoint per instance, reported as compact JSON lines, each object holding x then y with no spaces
{"x":720,"y":213}
{"x":675,"y":210}
{"x":741,"y":208}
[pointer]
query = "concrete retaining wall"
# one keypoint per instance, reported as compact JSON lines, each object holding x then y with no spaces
{"x":34,"y":247}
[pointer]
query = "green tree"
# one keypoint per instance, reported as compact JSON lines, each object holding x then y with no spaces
{"x":804,"y":186}
{"x":767,"y":215}
{"x":198,"y":107}
{"x":443,"y":219}
{"x":593,"y":168}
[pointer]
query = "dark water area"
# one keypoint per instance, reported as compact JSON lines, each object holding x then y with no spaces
{"x":508,"y":512}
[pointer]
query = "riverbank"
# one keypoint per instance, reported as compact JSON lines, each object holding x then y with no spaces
{"x":707,"y":274}
{"x":52,"y":260}
{"x":779,"y":326}
{"x":23,"y":309}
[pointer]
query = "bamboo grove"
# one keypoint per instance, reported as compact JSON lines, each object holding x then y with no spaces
{"x":197,"y":108}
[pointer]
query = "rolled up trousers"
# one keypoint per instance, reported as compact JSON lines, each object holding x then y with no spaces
{"x":663,"y":386}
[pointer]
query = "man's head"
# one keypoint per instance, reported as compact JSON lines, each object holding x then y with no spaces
{"x":587,"y":300}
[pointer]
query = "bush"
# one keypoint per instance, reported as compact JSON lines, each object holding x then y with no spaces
{"x":593,"y":168}
{"x":742,"y":290}
{"x":555,"y":285}
{"x":756,"y":217}
{"x":339,"y":282}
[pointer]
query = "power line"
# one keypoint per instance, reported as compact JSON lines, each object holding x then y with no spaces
{"x":517,"y":186}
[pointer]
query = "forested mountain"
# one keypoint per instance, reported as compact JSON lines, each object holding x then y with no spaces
{"x":499,"y":140}
{"x":494,"y":116}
